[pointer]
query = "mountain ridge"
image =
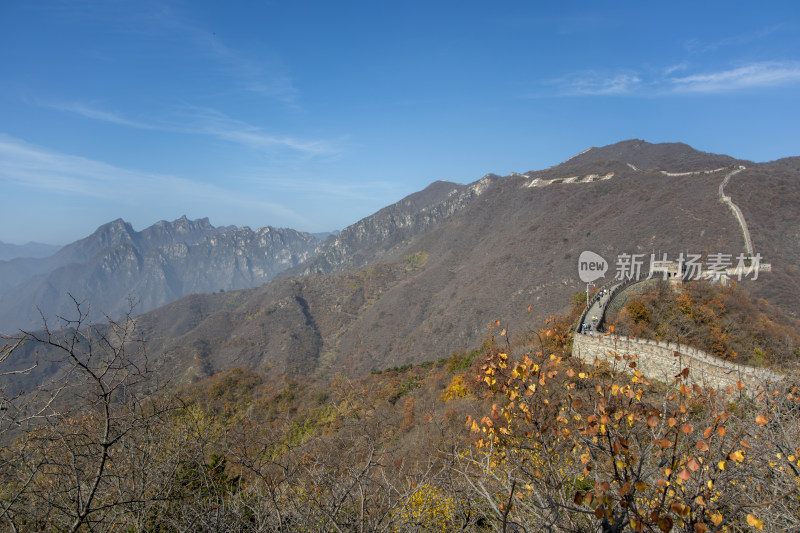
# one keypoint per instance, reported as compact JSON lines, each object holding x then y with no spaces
{"x":411,"y":283}
{"x":427,"y":274}
{"x":155,"y":266}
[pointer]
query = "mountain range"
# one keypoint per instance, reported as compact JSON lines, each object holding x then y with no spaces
{"x":31,"y":249}
{"x":428,"y":274}
{"x":154,"y":266}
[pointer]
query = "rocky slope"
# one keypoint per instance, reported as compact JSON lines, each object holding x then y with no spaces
{"x":155,"y":266}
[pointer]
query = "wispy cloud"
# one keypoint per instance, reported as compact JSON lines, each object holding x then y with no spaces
{"x":27,"y":166}
{"x":94,"y":113}
{"x":195,"y":120}
{"x":675,"y":68}
{"x":596,"y":83}
{"x":207,"y":121}
{"x":263,"y":73}
{"x":757,"y":75}
{"x":738,"y":39}
{"x":761,"y":75}
{"x":265,"y":76}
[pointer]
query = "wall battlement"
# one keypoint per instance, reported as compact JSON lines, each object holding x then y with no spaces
{"x":658,"y":360}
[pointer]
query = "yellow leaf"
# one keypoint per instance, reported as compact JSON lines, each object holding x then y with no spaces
{"x":737,"y":456}
{"x":755,"y":522}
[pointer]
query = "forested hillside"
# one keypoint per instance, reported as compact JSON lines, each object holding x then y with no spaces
{"x":513,"y":435}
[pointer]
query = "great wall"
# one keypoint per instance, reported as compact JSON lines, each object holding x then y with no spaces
{"x":665,"y":360}
{"x":657,"y":359}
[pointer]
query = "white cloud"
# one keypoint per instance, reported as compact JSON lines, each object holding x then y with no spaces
{"x":211,"y":122}
{"x":738,"y":39}
{"x":26,"y":166}
{"x":675,"y":68}
{"x":195,"y":120}
{"x":93,"y":113}
{"x":753,"y":76}
{"x":594,"y":83}
{"x":756,"y":75}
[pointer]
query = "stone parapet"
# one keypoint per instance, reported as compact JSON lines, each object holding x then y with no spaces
{"x":665,"y":360}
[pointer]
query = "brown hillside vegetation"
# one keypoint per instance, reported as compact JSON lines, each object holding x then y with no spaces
{"x":271,"y":409}
{"x":427,"y":274}
{"x":724,"y":321}
{"x":512,"y":436}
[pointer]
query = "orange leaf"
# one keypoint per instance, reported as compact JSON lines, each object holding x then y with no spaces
{"x":755,"y":522}
{"x":762,"y":420}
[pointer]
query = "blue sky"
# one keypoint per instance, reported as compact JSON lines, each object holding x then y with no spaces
{"x":314,"y":114}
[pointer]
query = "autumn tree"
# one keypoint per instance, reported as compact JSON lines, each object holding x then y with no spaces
{"x":568,"y":446}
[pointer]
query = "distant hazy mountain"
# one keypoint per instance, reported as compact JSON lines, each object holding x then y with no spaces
{"x":154,"y":266}
{"x":31,"y":249}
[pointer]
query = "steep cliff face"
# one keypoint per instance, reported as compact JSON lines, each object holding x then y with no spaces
{"x":393,"y":227}
{"x":155,"y":266}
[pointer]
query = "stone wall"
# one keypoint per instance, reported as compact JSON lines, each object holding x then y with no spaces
{"x":658,"y":360}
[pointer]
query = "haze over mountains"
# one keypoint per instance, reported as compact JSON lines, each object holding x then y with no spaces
{"x":31,"y":250}
{"x":154,"y":266}
{"x":422,"y":277}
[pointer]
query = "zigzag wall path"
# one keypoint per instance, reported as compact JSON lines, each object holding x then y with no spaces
{"x":665,"y":360}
